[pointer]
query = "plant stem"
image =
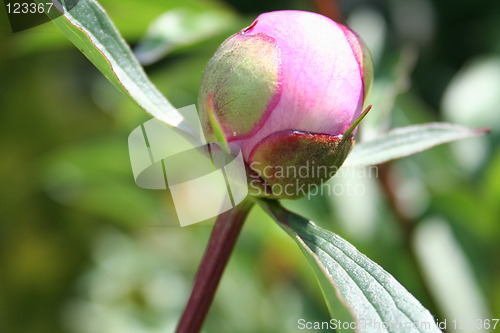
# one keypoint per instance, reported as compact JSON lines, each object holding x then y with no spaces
{"x":407,"y":226}
{"x":219,"y":248}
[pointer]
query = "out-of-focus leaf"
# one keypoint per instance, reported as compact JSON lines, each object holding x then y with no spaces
{"x":405,"y":141}
{"x":472,"y":96}
{"x":180,"y":27}
{"x":356,"y":203}
{"x":449,"y":274}
{"x":88,"y":26}
{"x":375,"y":299}
{"x":472,"y":99}
{"x":94,"y":177}
{"x":372,"y":27}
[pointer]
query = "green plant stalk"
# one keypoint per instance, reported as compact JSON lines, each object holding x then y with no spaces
{"x":219,"y":249}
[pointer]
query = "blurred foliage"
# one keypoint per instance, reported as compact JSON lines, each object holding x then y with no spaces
{"x":82,"y":249}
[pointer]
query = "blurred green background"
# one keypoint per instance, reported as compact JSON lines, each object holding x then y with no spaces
{"x":84,"y":250}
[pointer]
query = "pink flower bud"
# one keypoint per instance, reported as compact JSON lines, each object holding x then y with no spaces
{"x":285,"y":89}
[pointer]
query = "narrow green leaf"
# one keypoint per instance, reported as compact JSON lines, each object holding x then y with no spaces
{"x":336,"y":308}
{"x":88,"y":26}
{"x":356,"y":122}
{"x":377,"y":302}
{"x":181,"y":27}
{"x":405,"y":141}
{"x":216,"y":126}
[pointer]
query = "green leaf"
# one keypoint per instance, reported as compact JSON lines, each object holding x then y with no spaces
{"x":181,"y":27}
{"x":88,"y":27}
{"x":405,"y":141}
{"x":216,"y":126}
{"x":374,"y":298}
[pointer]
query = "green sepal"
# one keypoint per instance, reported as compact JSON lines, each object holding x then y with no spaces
{"x":289,"y":164}
{"x":243,"y":79}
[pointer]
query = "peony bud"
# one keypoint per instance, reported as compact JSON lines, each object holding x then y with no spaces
{"x":285,"y":90}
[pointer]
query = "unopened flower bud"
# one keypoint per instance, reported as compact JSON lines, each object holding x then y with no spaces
{"x":285,"y":90}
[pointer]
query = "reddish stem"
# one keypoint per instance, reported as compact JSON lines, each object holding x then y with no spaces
{"x":219,"y":249}
{"x":407,"y":226}
{"x":331,"y":9}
